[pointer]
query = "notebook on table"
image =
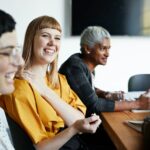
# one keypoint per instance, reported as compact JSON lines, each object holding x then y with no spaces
{"x":135,"y":124}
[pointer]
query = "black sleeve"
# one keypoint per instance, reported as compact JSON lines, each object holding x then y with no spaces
{"x":76,"y":75}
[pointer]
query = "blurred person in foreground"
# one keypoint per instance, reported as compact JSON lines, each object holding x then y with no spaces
{"x":10,"y":60}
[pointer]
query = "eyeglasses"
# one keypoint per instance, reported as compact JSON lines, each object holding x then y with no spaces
{"x":11,"y":52}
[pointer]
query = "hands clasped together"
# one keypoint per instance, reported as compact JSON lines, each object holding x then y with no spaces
{"x":88,"y":125}
{"x":144,"y":100}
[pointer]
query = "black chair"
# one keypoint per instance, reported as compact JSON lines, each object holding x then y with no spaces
{"x":139,"y":82}
{"x":20,"y":139}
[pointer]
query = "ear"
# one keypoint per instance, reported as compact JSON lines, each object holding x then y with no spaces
{"x":86,"y":49}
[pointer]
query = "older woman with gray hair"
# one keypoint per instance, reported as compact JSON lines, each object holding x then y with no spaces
{"x":79,"y":69}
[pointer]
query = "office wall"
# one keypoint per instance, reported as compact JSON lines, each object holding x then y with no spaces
{"x":128,"y":55}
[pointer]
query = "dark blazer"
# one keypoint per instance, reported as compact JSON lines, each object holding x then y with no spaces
{"x":79,"y":78}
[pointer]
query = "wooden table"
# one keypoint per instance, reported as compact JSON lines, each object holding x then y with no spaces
{"x":123,"y":136}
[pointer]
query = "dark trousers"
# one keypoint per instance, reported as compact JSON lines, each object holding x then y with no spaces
{"x":75,"y":143}
{"x":98,"y":141}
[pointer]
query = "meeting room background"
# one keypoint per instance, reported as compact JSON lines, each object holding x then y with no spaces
{"x":129,"y":54}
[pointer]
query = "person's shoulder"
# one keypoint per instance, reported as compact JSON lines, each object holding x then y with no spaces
{"x":20,"y":84}
{"x":73,"y":64}
{"x":3,"y":117}
{"x":23,"y":91}
{"x":1,"y":111}
{"x":62,"y":77}
{"x":20,"y":81}
{"x":73,"y":59}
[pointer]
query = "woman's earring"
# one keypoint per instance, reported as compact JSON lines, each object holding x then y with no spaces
{"x":88,"y":52}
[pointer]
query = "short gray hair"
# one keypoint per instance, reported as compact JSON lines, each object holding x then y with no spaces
{"x":93,"y":35}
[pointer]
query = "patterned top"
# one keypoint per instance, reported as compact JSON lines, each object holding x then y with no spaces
{"x":80,"y":80}
{"x":5,"y":142}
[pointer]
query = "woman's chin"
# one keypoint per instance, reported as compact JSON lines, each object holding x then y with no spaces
{"x":7,"y":90}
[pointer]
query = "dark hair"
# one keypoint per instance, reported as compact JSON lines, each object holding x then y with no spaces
{"x":7,"y":22}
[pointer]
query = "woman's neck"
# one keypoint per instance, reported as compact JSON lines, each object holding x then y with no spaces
{"x":39,"y":70}
{"x":90,"y":66}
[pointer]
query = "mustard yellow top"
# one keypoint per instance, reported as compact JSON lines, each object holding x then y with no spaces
{"x":33,"y":113}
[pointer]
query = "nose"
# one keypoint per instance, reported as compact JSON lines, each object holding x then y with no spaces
{"x":20,"y":60}
{"x":17,"y":60}
{"x":51,"y":41}
{"x":107,"y":52}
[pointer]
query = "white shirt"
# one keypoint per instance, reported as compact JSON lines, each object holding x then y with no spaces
{"x":93,"y":81}
{"x":5,"y":142}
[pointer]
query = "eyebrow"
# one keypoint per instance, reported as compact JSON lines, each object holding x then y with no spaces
{"x":49,"y":33}
{"x":7,"y":47}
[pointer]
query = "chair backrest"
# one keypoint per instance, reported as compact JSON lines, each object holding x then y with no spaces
{"x":20,"y":139}
{"x":139,"y":82}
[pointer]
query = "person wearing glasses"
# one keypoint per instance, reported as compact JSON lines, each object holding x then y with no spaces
{"x":10,"y":60}
{"x":95,"y":44}
{"x":43,"y":103}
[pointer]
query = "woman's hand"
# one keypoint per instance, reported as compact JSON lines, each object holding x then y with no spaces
{"x":36,"y":81}
{"x":144,"y":100}
{"x":116,"y":96}
{"x":87,"y":125}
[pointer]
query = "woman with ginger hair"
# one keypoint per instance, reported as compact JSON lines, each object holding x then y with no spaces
{"x":43,"y":103}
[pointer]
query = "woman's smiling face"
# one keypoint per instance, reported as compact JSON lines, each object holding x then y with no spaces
{"x":9,"y":61}
{"x":46,"y":46}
